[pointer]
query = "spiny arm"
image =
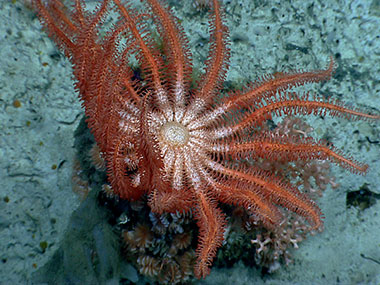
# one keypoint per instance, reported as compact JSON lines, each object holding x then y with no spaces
{"x":285,"y":148}
{"x":238,"y":193}
{"x":152,"y":62}
{"x":176,"y":50}
{"x":276,"y":83}
{"x":265,"y":90}
{"x":275,"y":190}
{"x":211,"y":223}
{"x":56,"y":23}
{"x":289,"y":103}
{"x":216,"y":65}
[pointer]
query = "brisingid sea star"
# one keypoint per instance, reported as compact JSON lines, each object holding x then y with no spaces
{"x":176,"y":143}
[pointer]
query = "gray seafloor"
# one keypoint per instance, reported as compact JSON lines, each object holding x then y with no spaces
{"x":36,"y":200}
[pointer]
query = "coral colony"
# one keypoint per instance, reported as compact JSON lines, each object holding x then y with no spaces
{"x":188,"y":151}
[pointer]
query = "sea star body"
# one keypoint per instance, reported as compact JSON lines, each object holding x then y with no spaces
{"x":176,"y":143}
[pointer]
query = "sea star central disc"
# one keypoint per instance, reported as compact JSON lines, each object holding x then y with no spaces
{"x":175,"y":133}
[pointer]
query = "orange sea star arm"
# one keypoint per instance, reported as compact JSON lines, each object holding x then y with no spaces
{"x":216,"y":65}
{"x":176,"y":50}
{"x":277,"y":191}
{"x":285,"y":148}
{"x":238,"y":193}
{"x":51,"y":15}
{"x":289,"y":103}
{"x":265,"y":90}
{"x":117,"y":167}
{"x":170,"y":201}
{"x":279,"y":82}
{"x":211,"y":223}
{"x":152,"y":62}
{"x":87,"y":48}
